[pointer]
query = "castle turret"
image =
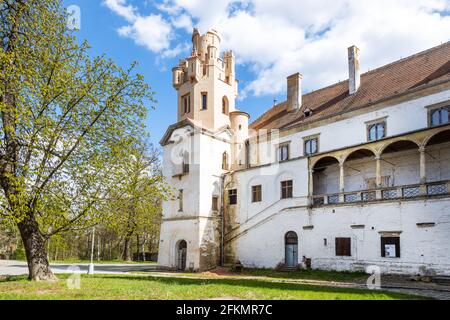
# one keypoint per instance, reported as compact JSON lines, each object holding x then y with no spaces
{"x":206,"y":84}
{"x":239,"y":126}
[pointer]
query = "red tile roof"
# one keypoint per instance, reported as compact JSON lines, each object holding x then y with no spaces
{"x":424,"y":68}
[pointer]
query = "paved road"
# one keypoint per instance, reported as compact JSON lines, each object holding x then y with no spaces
{"x":8,"y":267}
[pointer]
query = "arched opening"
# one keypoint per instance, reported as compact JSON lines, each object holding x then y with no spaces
{"x":181,"y":250}
{"x":225,"y":107}
{"x":225,"y":163}
{"x":400,"y":164}
{"x":360,"y":171}
{"x":291,"y":249}
{"x":438,"y":157}
{"x":326,"y":176}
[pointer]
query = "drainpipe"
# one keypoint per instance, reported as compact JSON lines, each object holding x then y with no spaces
{"x":222,"y":216}
{"x":222,"y":236}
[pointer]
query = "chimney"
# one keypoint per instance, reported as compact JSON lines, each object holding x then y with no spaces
{"x":354,"y":80}
{"x":294,"y":92}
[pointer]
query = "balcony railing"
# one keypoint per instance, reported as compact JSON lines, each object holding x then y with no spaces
{"x":401,"y":192}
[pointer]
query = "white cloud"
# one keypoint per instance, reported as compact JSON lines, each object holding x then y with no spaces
{"x":278,"y":38}
{"x":151,"y":31}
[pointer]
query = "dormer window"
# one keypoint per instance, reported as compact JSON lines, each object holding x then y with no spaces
{"x":308,"y":112}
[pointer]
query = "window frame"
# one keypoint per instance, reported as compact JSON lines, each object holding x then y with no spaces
{"x":389,"y":240}
{"x":375,"y":123}
{"x":343,"y":246}
{"x":256,"y":193}
{"x":215,"y":203}
{"x":186,"y":103}
{"x":232,"y":194}
{"x":280,"y":147}
{"x":287,"y":190}
{"x":204,"y":101}
{"x":308,"y":139}
{"x":441,"y":121}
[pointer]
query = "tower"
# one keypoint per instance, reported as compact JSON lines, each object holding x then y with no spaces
{"x":206,"y":143}
{"x":205,"y":82}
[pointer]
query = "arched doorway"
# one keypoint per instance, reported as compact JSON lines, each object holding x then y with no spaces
{"x":291,"y":249}
{"x":181,"y":255}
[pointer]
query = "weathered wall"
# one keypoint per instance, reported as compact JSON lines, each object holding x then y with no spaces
{"x":263,"y":246}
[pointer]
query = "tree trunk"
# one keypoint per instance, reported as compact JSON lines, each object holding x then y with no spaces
{"x":127,"y":249}
{"x":38,"y":266}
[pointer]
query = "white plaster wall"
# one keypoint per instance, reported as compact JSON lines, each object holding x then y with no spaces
{"x":263,"y":246}
{"x":171,"y":233}
{"x":401,"y":118}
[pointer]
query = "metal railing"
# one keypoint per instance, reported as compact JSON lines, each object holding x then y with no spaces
{"x":400,"y":192}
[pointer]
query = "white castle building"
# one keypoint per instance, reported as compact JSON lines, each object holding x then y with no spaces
{"x":348,"y":176}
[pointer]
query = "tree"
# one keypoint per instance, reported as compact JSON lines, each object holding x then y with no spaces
{"x":136,"y":204}
{"x":68,"y":122}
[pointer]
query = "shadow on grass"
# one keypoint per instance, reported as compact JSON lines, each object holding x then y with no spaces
{"x":257,"y":284}
{"x":308,"y":274}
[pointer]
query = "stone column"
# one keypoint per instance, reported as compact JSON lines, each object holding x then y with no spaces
{"x":423,"y":169}
{"x":311,"y":183}
{"x":341,"y":178}
{"x":311,"y":187}
{"x":379,"y":194}
{"x":378,"y":171}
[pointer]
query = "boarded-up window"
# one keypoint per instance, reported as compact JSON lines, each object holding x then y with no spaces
{"x":256,"y":194}
{"x":232,"y":196}
{"x":390,"y":247}
{"x":343,"y":247}
{"x":286,"y":189}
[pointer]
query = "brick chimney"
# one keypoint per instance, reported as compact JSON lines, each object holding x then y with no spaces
{"x":354,"y":80}
{"x":294,"y":92}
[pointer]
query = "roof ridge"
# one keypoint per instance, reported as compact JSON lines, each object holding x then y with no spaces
{"x":415,"y":55}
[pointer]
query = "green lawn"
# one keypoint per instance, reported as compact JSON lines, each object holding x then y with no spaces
{"x":74,"y":261}
{"x":149,"y":287}
{"x":308,"y":274}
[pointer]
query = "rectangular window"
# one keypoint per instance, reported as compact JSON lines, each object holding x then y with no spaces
{"x":180,"y":200}
{"x":390,"y":247}
{"x":311,"y":146}
{"x":343,"y":247}
{"x":286,"y":189}
{"x":376,"y":131}
{"x":186,"y":162}
{"x":186,"y":103}
{"x":204,"y":100}
{"x":215,"y":203}
{"x":256,"y":194}
{"x":232,"y":196}
{"x":283,"y":152}
{"x":439,"y":116}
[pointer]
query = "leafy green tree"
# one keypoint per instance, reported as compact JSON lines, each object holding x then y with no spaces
{"x":68,"y":122}
{"x":136,"y":204}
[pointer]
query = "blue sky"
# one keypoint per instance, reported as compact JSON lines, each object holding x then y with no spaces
{"x":272,"y":39}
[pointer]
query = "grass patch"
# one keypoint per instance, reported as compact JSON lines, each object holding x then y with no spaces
{"x":309,"y":274}
{"x":74,"y":261}
{"x":120,"y":287}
